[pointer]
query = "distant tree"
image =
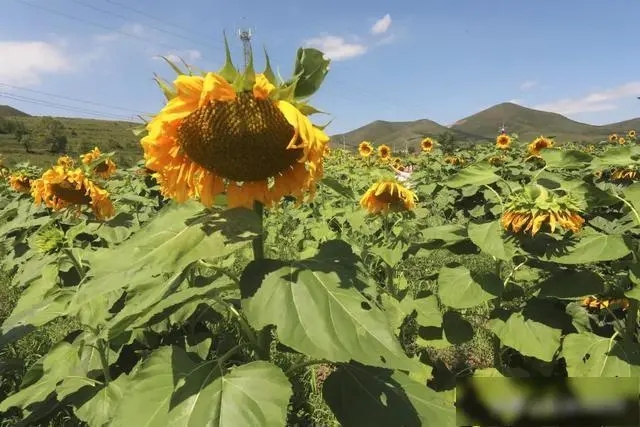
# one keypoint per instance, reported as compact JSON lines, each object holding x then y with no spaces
{"x":447,"y":141}
{"x":53,"y":134}
{"x":27,"y":142}
{"x":19,"y":130}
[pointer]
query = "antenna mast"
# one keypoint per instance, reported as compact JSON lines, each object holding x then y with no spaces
{"x":245,"y":34}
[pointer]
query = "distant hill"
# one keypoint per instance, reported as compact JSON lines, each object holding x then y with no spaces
{"x":484,"y":125}
{"x":7,"y":111}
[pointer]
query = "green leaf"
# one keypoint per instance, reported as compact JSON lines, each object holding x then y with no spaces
{"x":339,"y":188}
{"x":361,"y":396}
{"x":565,"y":159}
{"x":489,"y":237}
{"x":96,"y":405}
{"x":613,"y":156}
{"x":228,"y":70}
{"x":460,"y":288}
{"x":310,"y":69}
{"x":572,"y":284}
{"x":475,"y":174}
{"x":632,"y":195}
{"x":318,"y":309}
{"x":590,"y":355}
{"x":254,"y":394}
{"x":527,"y":336}
{"x":448,"y":233}
{"x":592,"y":247}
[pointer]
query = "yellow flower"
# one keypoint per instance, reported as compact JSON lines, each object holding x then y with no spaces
{"x":426,"y":145}
{"x":613,"y":137}
{"x":365,"y":149}
{"x":538,"y":145}
{"x":388,"y":195}
{"x":20,"y":182}
{"x":454,"y":160}
{"x":604,"y":303}
{"x":104,"y":169}
{"x":211,"y":139}
{"x":631,"y":134}
{"x":384,"y":152}
{"x":497,"y":160}
{"x":621,"y":141}
{"x":60,"y":188}
{"x":396,"y":162}
{"x":65,"y":161}
{"x":503,"y":141}
{"x":625,"y":174}
{"x":530,"y":209}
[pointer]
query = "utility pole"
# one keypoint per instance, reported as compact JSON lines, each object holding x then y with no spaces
{"x":245,"y":35}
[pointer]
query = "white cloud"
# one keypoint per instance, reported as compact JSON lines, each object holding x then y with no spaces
{"x":336,"y":48}
{"x":132,"y":28}
{"x":381,"y":25}
{"x":25,"y":62}
{"x":528,"y":84}
{"x":593,"y":102}
{"x":516,"y":101}
{"x":188,"y":55}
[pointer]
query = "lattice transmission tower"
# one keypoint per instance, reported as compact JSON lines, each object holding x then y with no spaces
{"x":245,"y":34}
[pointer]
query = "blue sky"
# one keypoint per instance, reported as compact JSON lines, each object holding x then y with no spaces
{"x":399,"y":60}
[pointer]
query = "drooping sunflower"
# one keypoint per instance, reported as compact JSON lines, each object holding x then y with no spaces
{"x":20,"y":182}
{"x":104,"y":168}
{"x":365,"y":149}
{"x":454,"y":160}
{"x":388,"y":195}
{"x":621,"y":141}
{"x":604,"y":303}
{"x":613,"y":137}
{"x":384,"y":152}
{"x":631,"y":134}
{"x":243,"y":134}
{"x":530,"y":209}
{"x":65,"y":161}
{"x":61,"y":188}
{"x":503,"y":141}
{"x":497,"y":160}
{"x":625,"y":174}
{"x":538,"y":145}
{"x":426,"y":145}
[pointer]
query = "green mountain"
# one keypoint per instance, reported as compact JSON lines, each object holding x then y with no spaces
{"x":7,"y":111}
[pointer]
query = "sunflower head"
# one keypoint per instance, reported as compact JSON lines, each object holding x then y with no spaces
{"x":239,"y":133}
{"x":621,"y":141}
{"x":384,"y":152}
{"x":538,"y":145}
{"x":592,"y":302}
{"x":503,"y":141}
{"x":625,"y":174}
{"x":528,"y":210}
{"x":365,"y":149}
{"x":454,"y":160}
{"x":20,"y":182}
{"x":631,"y":134}
{"x":98,"y":163}
{"x":60,"y":188}
{"x":427,"y":145}
{"x":613,"y":137}
{"x":388,"y":195}
{"x":48,"y":239}
{"x":65,"y":161}
{"x":497,"y":160}
{"x":396,"y":162}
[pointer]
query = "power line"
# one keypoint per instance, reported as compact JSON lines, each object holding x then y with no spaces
{"x":83,"y":101}
{"x":126,"y":18}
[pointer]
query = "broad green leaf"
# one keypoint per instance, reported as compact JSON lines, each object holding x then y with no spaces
{"x":318,"y":310}
{"x":449,"y":233}
{"x":632,"y":195}
{"x":527,"y":336}
{"x":490,"y":239}
{"x":572,"y":284}
{"x":592,"y":247}
{"x":254,"y":394}
{"x":390,"y":255}
{"x":96,"y":405}
{"x":339,"y":188}
{"x":475,"y":174}
{"x":460,"y":288}
{"x":311,"y":67}
{"x":427,"y":311}
{"x":614,"y":156}
{"x":362,"y":396}
{"x":565,"y":159}
{"x":590,"y":355}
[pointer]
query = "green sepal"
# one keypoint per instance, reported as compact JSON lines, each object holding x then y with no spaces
{"x":139,"y":130}
{"x":307,"y":109}
{"x":228,"y":70}
{"x":310,"y":70}
{"x":187,"y":66}
{"x":323,"y":127}
{"x":165,"y":86}
{"x":175,"y":68}
{"x":285,"y":92}
{"x":268,"y":71}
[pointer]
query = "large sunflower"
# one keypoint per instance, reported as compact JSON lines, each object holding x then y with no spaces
{"x":388,"y":195}
{"x":613,"y":137}
{"x":631,"y":134}
{"x":104,"y":168}
{"x":426,"y":145}
{"x":384,"y":152}
{"x":530,"y":209}
{"x":621,"y":141}
{"x":20,"y":182}
{"x":503,"y":141}
{"x":625,"y":174}
{"x":538,"y":145}
{"x":365,"y":149}
{"x":604,"y":303}
{"x":245,"y":135}
{"x":60,"y":188}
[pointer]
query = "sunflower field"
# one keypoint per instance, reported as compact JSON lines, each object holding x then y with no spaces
{"x":247,"y":274}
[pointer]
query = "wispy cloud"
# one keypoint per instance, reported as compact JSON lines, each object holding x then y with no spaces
{"x":528,"y":84}
{"x":24,"y":63}
{"x":189,"y":55}
{"x":132,"y":28}
{"x":381,"y":25}
{"x":605,"y":100}
{"x":337,"y":48}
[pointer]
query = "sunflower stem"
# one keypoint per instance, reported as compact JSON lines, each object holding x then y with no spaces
{"x":258,"y":242}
